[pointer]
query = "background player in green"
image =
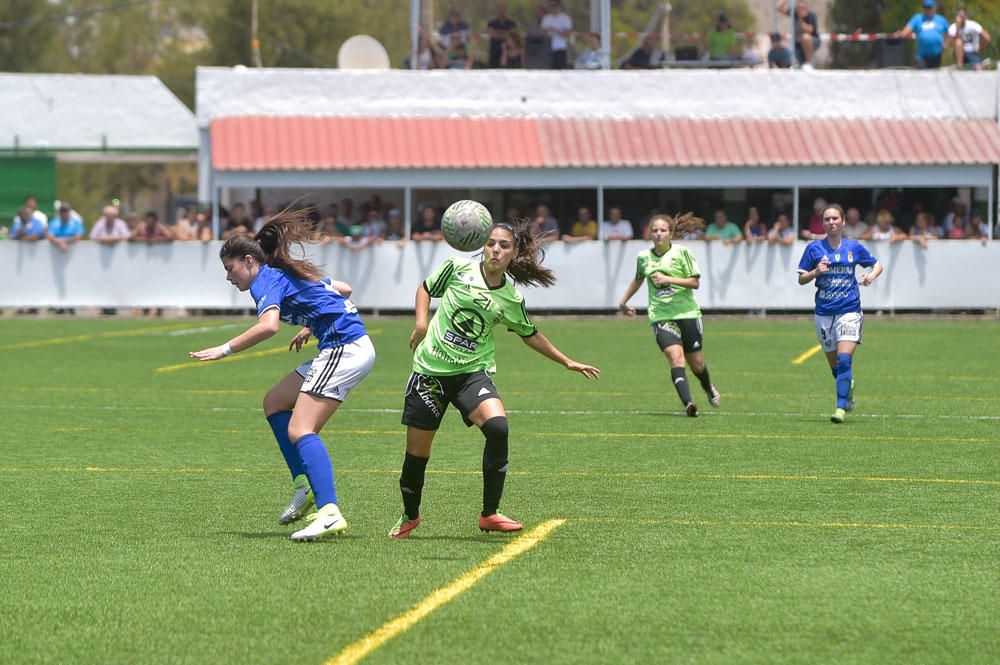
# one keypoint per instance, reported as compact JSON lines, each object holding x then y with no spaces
{"x":671,"y":274}
{"x":453,"y":362}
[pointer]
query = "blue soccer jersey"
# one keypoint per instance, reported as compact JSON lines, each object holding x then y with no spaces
{"x":837,"y":290}
{"x":333,"y":319}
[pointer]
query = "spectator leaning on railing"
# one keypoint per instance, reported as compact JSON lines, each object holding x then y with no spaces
{"x":65,"y":228}
{"x":929,"y":28}
{"x":722,"y":229}
{"x":583,"y":229}
{"x":616,"y":228}
{"x":26,"y":226}
{"x":110,"y":229}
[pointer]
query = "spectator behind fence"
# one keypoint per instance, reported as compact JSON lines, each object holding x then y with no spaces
{"x":454,"y":25}
{"x":722,"y":229}
{"x":884,"y":228}
{"x":395,"y":230}
{"x":374,"y":226}
{"x":512,"y":51}
{"x":930,"y":29}
{"x":500,"y":28}
{"x":544,"y":227}
{"x":647,"y":56}
{"x":65,"y":228}
{"x":558,"y":25}
{"x":26,"y":226}
{"x":31,"y":203}
{"x":923,"y":230}
{"x":720,"y":42}
{"x":853,"y":228}
{"x":616,"y":228}
{"x":779,"y":57}
{"x":782,"y":232}
{"x":151,"y":230}
{"x":969,"y":39}
{"x":428,"y":226}
{"x":754,"y":229}
{"x":975,"y":231}
{"x":238,"y":222}
{"x":815,"y":230}
{"x":805,"y":28}
{"x":428,"y":54}
{"x":459,"y":56}
{"x":590,"y":57}
{"x":109,"y":228}
{"x":583,"y":229}
{"x":956,"y":210}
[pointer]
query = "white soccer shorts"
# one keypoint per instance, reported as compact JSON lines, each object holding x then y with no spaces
{"x":839,"y":328}
{"x":334,"y":372}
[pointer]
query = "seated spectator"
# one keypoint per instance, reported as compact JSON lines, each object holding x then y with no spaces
{"x":616,"y":228}
{"x":151,"y":230}
{"x":969,"y":39}
{"x":395,"y":232}
{"x":977,"y":221}
{"x":974,"y":231}
{"x":854,"y":228}
{"x":459,"y":56}
{"x":454,"y":27}
{"x":779,"y":57}
{"x":238,"y":222}
{"x":590,"y":57}
{"x":722,"y":229}
{"x":26,"y":226}
{"x":815,"y":230}
{"x":720,"y":42}
{"x":583,"y":229}
{"x":923,"y":229}
{"x":884,"y":229}
{"x":754,"y":229}
{"x":500,"y":28}
{"x":512,"y":51}
{"x":428,"y":54}
{"x":545,"y":228}
{"x":959,"y":229}
{"x":646,"y":56}
{"x":957,"y":209}
{"x":374,"y":226}
{"x":357,"y":240}
{"x":806,"y":31}
{"x":558,"y":26}
{"x":66,"y":228}
{"x":110,"y":228}
{"x":132,"y":222}
{"x":782,"y":232}
{"x":428,"y":226}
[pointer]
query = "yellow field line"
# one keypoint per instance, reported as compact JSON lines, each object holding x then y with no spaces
{"x":807,"y":355}
{"x":201,"y":363}
{"x":52,"y":341}
{"x":649,"y":475}
{"x":807,"y":525}
{"x":375,"y":639}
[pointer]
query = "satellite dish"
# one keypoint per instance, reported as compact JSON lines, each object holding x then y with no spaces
{"x":362,"y":52}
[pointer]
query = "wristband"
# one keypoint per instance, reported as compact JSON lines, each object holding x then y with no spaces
{"x":227,"y":349}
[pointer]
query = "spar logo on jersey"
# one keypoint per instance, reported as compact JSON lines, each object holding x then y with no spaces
{"x":467,"y":326}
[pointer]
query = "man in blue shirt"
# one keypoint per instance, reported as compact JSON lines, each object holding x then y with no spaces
{"x":27,"y":227}
{"x":66,"y":228}
{"x":930,"y":29}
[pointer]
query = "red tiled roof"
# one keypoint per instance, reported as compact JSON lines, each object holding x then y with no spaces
{"x":269,"y":143}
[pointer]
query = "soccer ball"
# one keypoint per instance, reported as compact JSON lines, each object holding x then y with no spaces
{"x":466,"y":225}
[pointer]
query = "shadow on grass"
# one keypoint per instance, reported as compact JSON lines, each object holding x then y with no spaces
{"x":268,"y":535}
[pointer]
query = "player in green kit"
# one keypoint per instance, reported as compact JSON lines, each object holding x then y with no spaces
{"x":453,"y":362}
{"x":671,"y":274}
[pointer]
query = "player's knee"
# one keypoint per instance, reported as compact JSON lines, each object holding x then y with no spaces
{"x":496,"y":433}
{"x":296,"y":431}
{"x":844,"y":362}
{"x":273,"y":403}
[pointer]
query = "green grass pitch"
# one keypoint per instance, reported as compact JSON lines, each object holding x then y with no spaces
{"x":139,"y":506}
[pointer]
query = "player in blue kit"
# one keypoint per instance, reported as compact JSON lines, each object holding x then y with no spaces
{"x":296,"y":291}
{"x":839,"y":321}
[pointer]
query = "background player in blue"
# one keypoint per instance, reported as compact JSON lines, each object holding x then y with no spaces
{"x":839,"y":321}
{"x":296,"y":291}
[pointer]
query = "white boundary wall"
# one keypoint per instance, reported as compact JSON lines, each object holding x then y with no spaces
{"x":949,"y":274}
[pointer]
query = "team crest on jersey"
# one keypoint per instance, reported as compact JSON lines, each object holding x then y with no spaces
{"x":836,"y":257}
{"x":850,"y":258}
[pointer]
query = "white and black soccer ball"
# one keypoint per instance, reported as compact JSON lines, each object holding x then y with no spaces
{"x":466,"y":225}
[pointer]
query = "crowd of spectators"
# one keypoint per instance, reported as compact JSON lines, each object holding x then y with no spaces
{"x":376,"y":221}
{"x":549,"y":41}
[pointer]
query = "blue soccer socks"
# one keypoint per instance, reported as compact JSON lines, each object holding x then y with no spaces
{"x":279,"y":425}
{"x":844,"y":377}
{"x":318,"y":468}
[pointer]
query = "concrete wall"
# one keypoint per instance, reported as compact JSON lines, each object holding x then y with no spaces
{"x":949,"y":274}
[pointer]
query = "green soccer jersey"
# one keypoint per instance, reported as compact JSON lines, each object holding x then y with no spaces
{"x":670,"y":302}
{"x":460,"y":335}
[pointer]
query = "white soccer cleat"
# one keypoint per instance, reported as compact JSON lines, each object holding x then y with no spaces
{"x":327,"y":521}
{"x":715,"y":397}
{"x":298,"y":506}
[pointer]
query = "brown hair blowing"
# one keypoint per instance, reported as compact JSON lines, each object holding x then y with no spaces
{"x":526,"y":266}
{"x":680,"y":224}
{"x":272,"y":245}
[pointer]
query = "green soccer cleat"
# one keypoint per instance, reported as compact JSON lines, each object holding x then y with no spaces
{"x":404,"y":527}
{"x":850,"y":399}
{"x":838,"y":416}
{"x":327,"y":521}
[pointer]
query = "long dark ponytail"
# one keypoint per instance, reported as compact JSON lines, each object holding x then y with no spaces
{"x":526,"y":267}
{"x":273,"y":243}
